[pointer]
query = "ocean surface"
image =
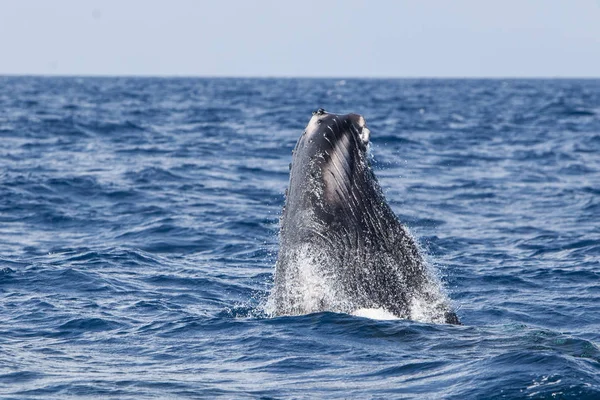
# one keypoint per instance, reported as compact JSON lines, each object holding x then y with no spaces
{"x":139,"y":233}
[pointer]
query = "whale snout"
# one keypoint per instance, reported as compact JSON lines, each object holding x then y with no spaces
{"x":330,"y":167}
{"x":324,"y":132}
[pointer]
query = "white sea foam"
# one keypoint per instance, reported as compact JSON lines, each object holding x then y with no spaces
{"x":374,"y":313}
{"x":310,"y":285}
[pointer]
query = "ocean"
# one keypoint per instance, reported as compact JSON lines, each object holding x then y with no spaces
{"x":139,"y":224}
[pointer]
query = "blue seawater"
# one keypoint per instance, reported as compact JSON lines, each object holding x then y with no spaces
{"x":138,"y":237}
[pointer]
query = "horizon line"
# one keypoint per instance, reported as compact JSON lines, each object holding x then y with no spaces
{"x":184,"y":76}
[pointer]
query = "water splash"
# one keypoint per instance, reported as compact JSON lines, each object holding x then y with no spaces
{"x":311,"y":285}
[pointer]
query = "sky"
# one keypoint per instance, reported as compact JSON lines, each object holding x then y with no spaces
{"x":285,"y":38}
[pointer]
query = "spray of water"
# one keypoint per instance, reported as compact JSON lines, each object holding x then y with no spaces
{"x":312,"y":285}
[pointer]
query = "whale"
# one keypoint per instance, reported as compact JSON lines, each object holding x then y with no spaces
{"x":342,"y":248}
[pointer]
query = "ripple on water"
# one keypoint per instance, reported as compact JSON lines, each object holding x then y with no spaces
{"x":139,"y":232}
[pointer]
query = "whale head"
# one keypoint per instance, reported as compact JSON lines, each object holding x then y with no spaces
{"x":330,"y":173}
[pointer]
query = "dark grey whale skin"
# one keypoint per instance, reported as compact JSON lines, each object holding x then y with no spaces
{"x":334,"y":204}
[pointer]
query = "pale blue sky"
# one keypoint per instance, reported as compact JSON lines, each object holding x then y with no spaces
{"x":435,"y":38}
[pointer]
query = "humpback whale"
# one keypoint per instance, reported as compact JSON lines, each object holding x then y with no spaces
{"x":342,"y":248}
